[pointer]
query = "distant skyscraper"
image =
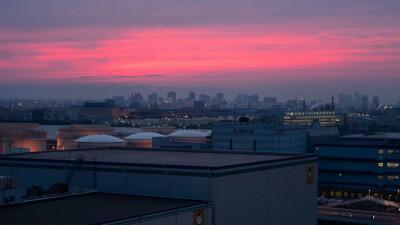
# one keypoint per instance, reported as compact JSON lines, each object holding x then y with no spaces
{"x":245,"y":98}
{"x":253,"y":100}
{"x":301,"y":104}
{"x":375,"y":103}
{"x":119,"y":100}
{"x":137,"y":98}
{"x":205,"y":98}
{"x":357,"y":100}
{"x":239,"y":99}
{"x":270,"y":100}
{"x":192,"y":97}
{"x":153,"y":98}
{"x":220,"y":98}
{"x":364,"y":103}
{"x":345,"y":101}
{"x":171,"y":97}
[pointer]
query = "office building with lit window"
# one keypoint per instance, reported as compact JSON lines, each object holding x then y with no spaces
{"x":360,"y":165}
{"x":326,"y":118}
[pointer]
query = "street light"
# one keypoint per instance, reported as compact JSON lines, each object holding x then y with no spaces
{"x":369,"y":193}
{"x":376,"y":202}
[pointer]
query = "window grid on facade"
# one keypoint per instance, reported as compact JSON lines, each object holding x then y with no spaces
{"x":392,"y":165}
{"x":392,"y":177}
{"x":393,"y":152}
{"x":380,"y":164}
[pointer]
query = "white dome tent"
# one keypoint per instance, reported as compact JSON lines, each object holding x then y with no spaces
{"x":99,"y":140}
{"x":142,"y":139}
{"x":188,"y":136}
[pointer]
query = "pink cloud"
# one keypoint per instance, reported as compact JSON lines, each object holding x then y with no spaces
{"x":190,"y":53}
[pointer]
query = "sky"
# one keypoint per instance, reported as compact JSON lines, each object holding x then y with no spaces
{"x":285,"y":48}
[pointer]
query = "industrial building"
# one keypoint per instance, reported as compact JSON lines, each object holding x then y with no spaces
{"x":256,"y":136}
{"x":107,"y":208}
{"x":326,"y":118}
{"x":360,"y":165}
{"x":241,"y":187}
{"x":21,"y":137}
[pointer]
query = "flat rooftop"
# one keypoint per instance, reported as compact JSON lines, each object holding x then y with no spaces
{"x":374,"y":136}
{"x":87,"y":209}
{"x":171,"y":158}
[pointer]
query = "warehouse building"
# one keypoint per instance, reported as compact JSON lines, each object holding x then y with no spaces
{"x":256,"y":136}
{"x":242,"y":187}
{"x":95,"y":208}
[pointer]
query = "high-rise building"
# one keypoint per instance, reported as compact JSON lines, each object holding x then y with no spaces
{"x":364,"y":103}
{"x":301,"y":104}
{"x":357,"y":100}
{"x":153,"y":98}
{"x":136,"y":98}
{"x":245,"y":99}
{"x":205,"y":98}
{"x":220,"y":98}
{"x":171,"y":97}
{"x":192,"y":97}
{"x":270,"y":100}
{"x":375,"y":103}
{"x":345,"y":101}
{"x":253,"y":101}
{"x":119,"y":100}
{"x":239,"y":99}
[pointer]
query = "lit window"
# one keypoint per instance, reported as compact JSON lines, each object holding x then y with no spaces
{"x":380,"y":151}
{"x":392,"y":165}
{"x":380,"y":164}
{"x":392,"y":177}
{"x":380,"y":177}
{"x":393,"y":152}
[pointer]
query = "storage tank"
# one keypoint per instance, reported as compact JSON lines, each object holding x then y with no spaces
{"x":142,"y":139}
{"x":21,"y":135}
{"x":188,"y":136}
{"x":99,"y":140}
{"x":67,"y":135}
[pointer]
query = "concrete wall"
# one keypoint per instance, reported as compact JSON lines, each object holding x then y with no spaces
{"x":274,"y":197}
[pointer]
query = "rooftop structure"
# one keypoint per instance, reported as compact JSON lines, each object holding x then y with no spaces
{"x":143,"y":136}
{"x":188,"y":133}
{"x":99,"y":208}
{"x":99,"y":138}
